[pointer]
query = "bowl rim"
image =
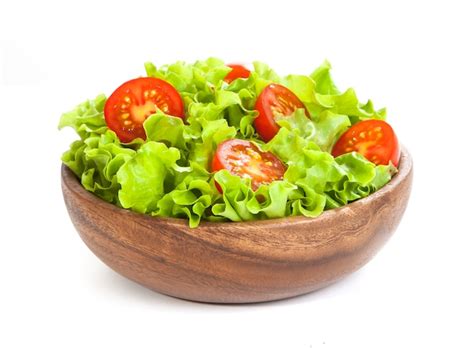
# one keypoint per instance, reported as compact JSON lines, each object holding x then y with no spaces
{"x":69,"y":179}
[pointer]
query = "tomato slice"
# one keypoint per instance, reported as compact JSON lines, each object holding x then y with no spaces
{"x":238,"y":72}
{"x":131,"y":103}
{"x":275,"y":100}
{"x":245,"y":159}
{"x":374,"y":139}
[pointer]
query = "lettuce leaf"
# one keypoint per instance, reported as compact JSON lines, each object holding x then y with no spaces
{"x":167,"y":129}
{"x":319,"y":94}
{"x":96,"y":161}
{"x":264,"y":75}
{"x":323,"y":79}
{"x":192,"y":197}
{"x":241,"y":203}
{"x":343,"y":179}
{"x":148,"y":176}
{"x":212,"y":134}
{"x":86,"y":118}
{"x":348,"y":104}
{"x":324,"y":131}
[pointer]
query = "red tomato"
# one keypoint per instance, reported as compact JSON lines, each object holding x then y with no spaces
{"x":130,"y":104}
{"x":238,"y":72}
{"x":245,"y":159}
{"x":275,"y":100}
{"x":374,"y":139}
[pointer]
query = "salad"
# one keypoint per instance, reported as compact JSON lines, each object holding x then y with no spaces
{"x":217,"y":142}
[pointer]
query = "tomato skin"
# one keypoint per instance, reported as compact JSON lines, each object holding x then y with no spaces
{"x":245,"y":159}
{"x":374,"y":139}
{"x":132,"y":102}
{"x":274,"y":100}
{"x":238,"y":72}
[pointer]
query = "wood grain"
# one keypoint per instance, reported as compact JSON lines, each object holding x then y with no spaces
{"x":238,"y":262}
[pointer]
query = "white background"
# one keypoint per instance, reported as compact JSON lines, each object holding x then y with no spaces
{"x":415,"y":58}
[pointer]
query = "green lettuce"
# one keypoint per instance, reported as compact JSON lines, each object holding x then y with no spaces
{"x":324,"y":131}
{"x":167,"y":129}
{"x":86,"y":118}
{"x":169,"y":174}
{"x":148,"y":176}
{"x":319,"y":94}
{"x":321,"y":176}
{"x":96,"y":161}
{"x":241,"y":203}
{"x":192,"y":197}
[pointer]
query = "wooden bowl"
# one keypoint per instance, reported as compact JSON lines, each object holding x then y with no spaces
{"x":238,"y":262}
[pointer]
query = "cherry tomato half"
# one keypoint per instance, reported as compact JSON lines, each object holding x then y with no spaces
{"x":275,"y":100}
{"x":131,"y":103}
{"x":245,"y":159}
{"x":374,"y":139}
{"x":238,"y":72}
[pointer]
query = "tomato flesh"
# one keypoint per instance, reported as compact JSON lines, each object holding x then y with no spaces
{"x":374,"y":139}
{"x":274,"y":101}
{"x":245,"y":159}
{"x":132,"y":102}
{"x":238,"y":72}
